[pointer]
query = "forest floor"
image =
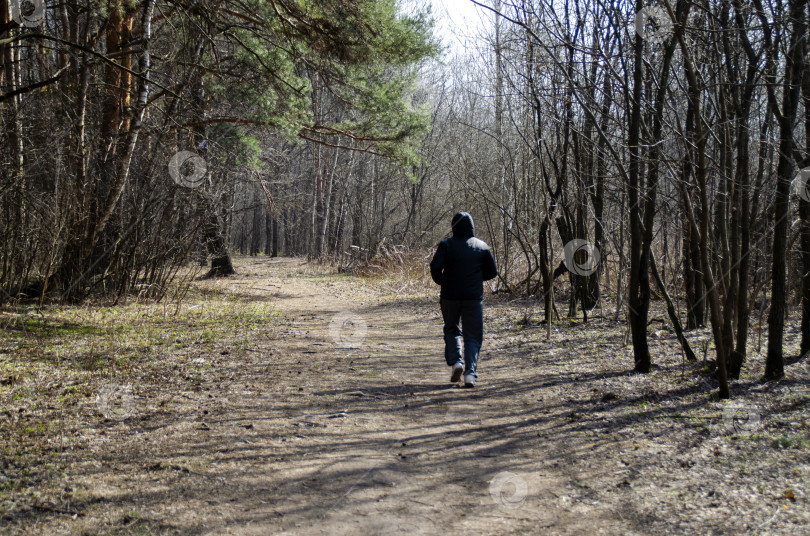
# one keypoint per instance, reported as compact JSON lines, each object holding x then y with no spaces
{"x":246,"y":409}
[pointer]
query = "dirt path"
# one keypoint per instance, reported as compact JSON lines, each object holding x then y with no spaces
{"x":357,"y":431}
{"x":303,"y":429}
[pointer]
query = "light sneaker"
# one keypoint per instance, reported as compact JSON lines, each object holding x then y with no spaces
{"x":458,"y":368}
{"x":469,"y":380}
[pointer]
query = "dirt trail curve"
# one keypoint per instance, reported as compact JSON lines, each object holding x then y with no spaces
{"x":293,"y":432}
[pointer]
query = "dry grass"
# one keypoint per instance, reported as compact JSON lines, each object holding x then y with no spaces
{"x":62,"y":367}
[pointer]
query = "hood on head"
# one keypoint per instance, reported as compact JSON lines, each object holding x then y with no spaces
{"x":463,"y":226}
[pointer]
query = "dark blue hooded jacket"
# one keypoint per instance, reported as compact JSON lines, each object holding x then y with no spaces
{"x":462,"y":263}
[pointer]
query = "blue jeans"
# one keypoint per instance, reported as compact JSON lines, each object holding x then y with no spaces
{"x":468,"y":314}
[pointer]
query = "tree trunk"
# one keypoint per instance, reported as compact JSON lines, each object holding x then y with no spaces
{"x":271,"y":235}
{"x":221,"y":264}
{"x":701,"y":229}
{"x":274,"y":250}
{"x":804,"y":214}
{"x":256,"y":232}
{"x":775,"y":361}
{"x":638,"y":303}
{"x":738,"y":355}
{"x":83,"y":254}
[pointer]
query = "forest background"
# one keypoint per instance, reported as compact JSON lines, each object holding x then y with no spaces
{"x":614,"y":151}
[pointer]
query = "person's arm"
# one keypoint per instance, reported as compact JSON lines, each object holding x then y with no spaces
{"x":437,"y":264}
{"x":489,"y":270}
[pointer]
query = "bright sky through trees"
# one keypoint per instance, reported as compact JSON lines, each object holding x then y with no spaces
{"x":459,"y":22}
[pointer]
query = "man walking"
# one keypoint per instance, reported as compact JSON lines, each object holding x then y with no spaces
{"x":461,"y":265}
